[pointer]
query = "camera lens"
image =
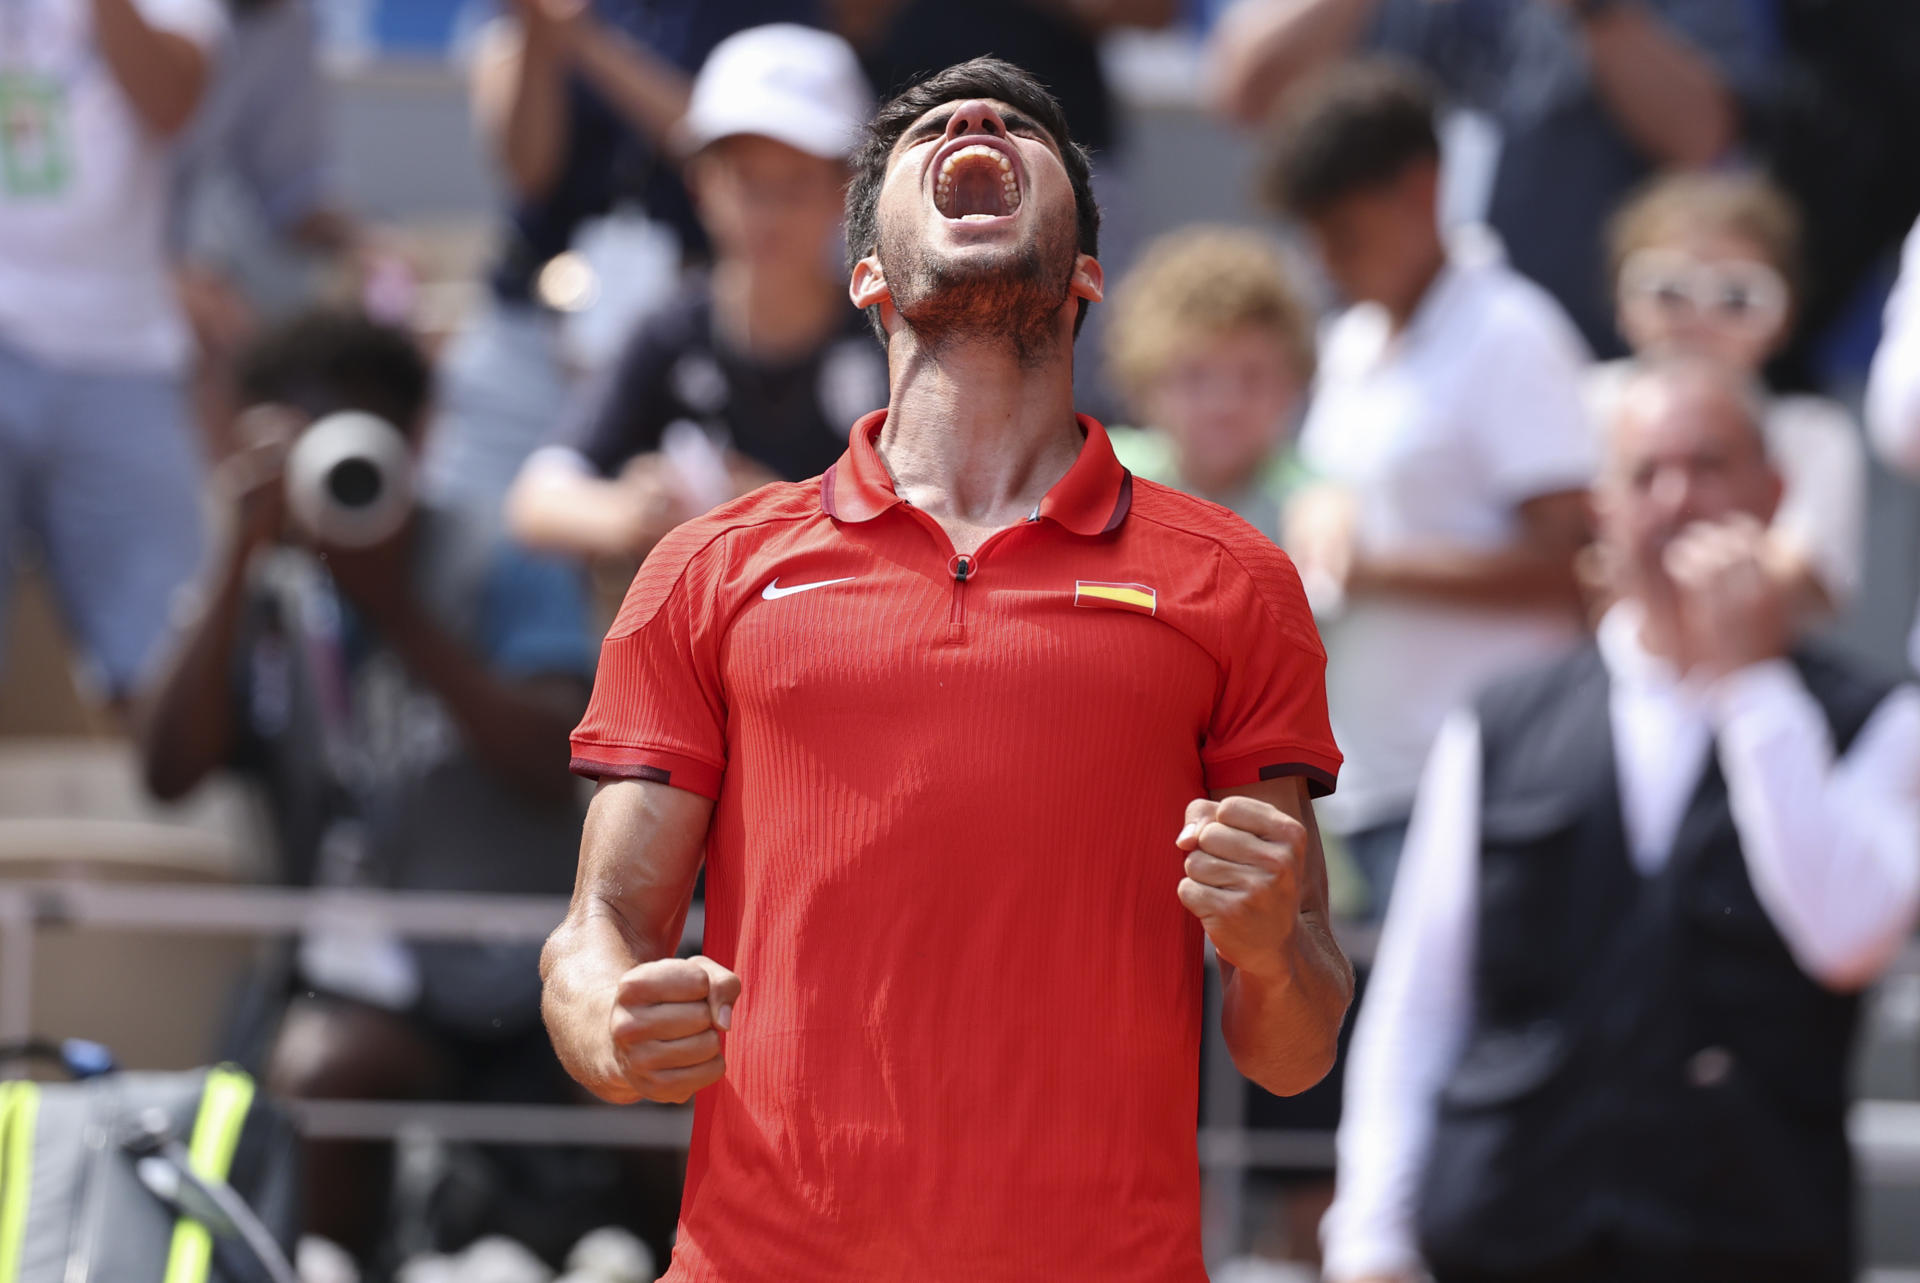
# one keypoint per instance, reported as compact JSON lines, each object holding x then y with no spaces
{"x":354,"y":483}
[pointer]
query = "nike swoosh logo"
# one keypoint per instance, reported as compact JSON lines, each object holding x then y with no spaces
{"x":774,"y":592}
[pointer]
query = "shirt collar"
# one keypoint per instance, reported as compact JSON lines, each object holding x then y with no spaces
{"x":1091,"y":499}
{"x":1629,"y":662}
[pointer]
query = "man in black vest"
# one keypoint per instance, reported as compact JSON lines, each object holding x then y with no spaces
{"x":1609,"y":1027}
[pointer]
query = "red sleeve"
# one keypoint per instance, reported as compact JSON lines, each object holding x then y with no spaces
{"x":1270,"y":719}
{"x":658,"y":710}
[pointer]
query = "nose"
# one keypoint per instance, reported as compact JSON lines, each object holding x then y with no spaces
{"x":976,"y":116}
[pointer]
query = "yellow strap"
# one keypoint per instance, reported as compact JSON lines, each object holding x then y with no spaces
{"x":19,"y":1106}
{"x":216,"y":1133}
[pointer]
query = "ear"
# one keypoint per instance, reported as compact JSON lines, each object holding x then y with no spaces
{"x":868,"y":287}
{"x":1089,"y":279}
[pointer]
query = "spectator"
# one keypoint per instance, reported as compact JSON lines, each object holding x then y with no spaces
{"x":1893,"y":386}
{"x":252,"y":186}
{"x":404,"y":710}
{"x":1615,"y":999}
{"x":97,"y":456}
{"x":1214,"y":349}
{"x":765,"y":356}
{"x":1893,"y":390}
{"x":1448,"y":429}
{"x":578,"y":100}
{"x":1590,"y":97}
{"x":1846,"y":96}
{"x":1056,"y":41}
{"x":1708,"y":264}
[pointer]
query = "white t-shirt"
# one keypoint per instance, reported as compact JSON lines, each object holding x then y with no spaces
{"x":1813,"y":442}
{"x":83,"y":193}
{"x":1440,"y":432}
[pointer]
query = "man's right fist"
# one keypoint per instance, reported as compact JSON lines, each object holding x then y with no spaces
{"x":667,"y":1020}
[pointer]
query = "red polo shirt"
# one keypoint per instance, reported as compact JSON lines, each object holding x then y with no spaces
{"x":942,"y":860}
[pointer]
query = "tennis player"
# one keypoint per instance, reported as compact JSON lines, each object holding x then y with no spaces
{"x":978,"y":734}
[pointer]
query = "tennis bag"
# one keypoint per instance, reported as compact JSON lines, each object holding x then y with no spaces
{"x":146,"y":1178}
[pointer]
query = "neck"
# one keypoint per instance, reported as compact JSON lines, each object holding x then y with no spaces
{"x":975,"y":434}
{"x":774,"y":309}
{"x":1405,"y":302}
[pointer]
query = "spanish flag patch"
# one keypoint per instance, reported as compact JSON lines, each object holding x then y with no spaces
{"x":1115,"y":596}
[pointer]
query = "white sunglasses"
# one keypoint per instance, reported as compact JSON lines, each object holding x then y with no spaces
{"x":1739,"y":293}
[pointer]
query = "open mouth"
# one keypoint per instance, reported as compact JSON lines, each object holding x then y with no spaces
{"x":976,"y":182}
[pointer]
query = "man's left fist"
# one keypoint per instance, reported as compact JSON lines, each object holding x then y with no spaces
{"x":1243,"y":879}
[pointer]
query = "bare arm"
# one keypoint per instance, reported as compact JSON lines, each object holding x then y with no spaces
{"x":519,"y":98}
{"x":1536,"y":569}
{"x":161,"y":72}
{"x":560,"y":508}
{"x":628,"y":1020}
{"x":647,"y":90}
{"x":1257,"y":880}
{"x":1263,"y":48}
{"x":1670,"y":100}
{"x":185,"y":723}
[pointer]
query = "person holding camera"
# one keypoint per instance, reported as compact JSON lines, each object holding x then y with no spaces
{"x":400,"y":685}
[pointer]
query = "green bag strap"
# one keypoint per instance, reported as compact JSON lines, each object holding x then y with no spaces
{"x":19,"y":1107}
{"x":216,"y":1133}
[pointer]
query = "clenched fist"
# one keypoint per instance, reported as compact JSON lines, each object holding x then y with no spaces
{"x":1243,"y":879}
{"x":666,"y":1023}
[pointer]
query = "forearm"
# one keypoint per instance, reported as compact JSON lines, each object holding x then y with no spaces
{"x":649,"y":92}
{"x":558,"y":510}
{"x":580,"y":971}
{"x":161,"y":73}
{"x":186,"y":723}
{"x":522,"y":100}
{"x":1513,"y":577}
{"x":1261,"y":49}
{"x":1829,"y":845}
{"x":1283,"y":1030}
{"x":521,"y":733}
{"x":1668,"y":98}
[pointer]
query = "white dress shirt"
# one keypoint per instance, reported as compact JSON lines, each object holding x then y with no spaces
{"x":1440,"y":432}
{"x":1832,"y":848}
{"x":1893,"y":385}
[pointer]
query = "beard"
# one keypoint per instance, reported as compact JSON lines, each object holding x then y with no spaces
{"x":1013,"y":295}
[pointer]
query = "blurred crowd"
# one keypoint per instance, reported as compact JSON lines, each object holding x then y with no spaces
{"x":297,"y":535}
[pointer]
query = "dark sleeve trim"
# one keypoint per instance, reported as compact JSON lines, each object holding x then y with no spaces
{"x":1321,"y":768}
{"x":619,"y":762}
{"x":1320,"y":783}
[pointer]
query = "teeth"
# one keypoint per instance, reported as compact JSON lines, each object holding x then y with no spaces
{"x":1009,"y":186}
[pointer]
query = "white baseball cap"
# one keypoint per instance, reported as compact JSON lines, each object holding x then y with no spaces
{"x":793,"y":84}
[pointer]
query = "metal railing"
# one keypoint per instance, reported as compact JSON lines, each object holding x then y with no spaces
{"x":1885,"y":1134}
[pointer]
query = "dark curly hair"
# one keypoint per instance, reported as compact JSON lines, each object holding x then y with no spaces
{"x":1351,"y":129}
{"x":979,"y":78}
{"x":328,"y":359}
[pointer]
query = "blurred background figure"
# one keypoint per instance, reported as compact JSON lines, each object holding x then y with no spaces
{"x":1893,"y":388}
{"x":401,"y":698}
{"x":254,"y":215}
{"x":1708,"y":265}
{"x":1610,"y":1025}
{"x":98,"y":464}
{"x":1449,"y":442}
{"x":1590,"y":97}
{"x":1213,"y":347}
{"x":577,"y":101}
{"x":756,"y":369}
{"x":1842,"y":98}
